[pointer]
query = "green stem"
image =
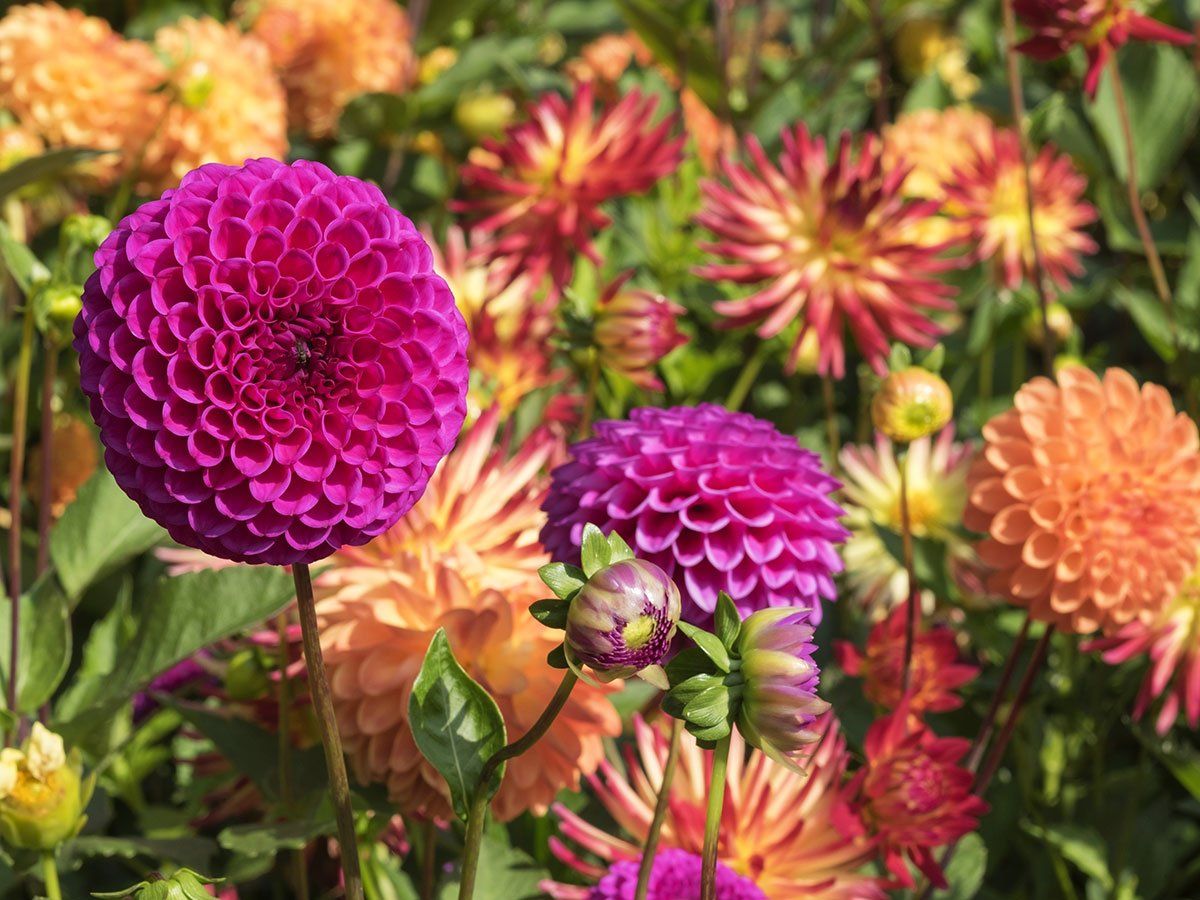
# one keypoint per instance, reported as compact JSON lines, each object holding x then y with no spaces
{"x":477,"y":812}
{"x":712,"y":820}
{"x":46,"y":439}
{"x":914,"y":592}
{"x":16,"y":476}
{"x":50,"y":876}
{"x":299,"y":869}
{"x":660,"y":813}
{"x":747,"y":377}
{"x":335,"y":763}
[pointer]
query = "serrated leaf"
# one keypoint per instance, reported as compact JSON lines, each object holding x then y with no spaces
{"x":594,"y":550}
{"x":709,"y":644}
{"x":551,"y":613}
{"x":562,"y":579}
{"x":709,"y":707}
{"x":727,"y":620}
{"x":456,"y":723}
{"x":189,"y":851}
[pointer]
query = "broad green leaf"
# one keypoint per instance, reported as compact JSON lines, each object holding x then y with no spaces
{"x":594,"y":550}
{"x":966,"y":869}
{"x":456,"y":724}
{"x":101,"y":530}
{"x":1150,"y":317}
{"x":180,"y":616}
{"x":727,"y":620}
{"x":25,"y":268}
{"x":50,"y":164}
{"x":269,"y":839}
{"x":505,"y":873}
{"x":562,"y":579}
{"x":189,"y":851}
{"x":709,"y":644}
{"x":552,"y":612}
{"x":45,"y":650}
{"x":1080,"y":846}
{"x":101,"y":651}
{"x":491,"y":59}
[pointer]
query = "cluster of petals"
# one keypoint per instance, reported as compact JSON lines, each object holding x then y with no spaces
{"x":721,"y":501}
{"x":273,"y":364}
{"x":1086,"y":492}
{"x":793,"y":833}
{"x":537,"y":193}
{"x":464,"y":559}
{"x":833,"y":241}
{"x":674,"y":874}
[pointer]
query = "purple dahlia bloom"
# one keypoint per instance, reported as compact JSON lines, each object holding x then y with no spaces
{"x":675,"y":876}
{"x":274,"y":365}
{"x":719,"y":500}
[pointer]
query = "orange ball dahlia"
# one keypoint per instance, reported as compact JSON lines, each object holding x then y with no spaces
{"x":987,"y":194}
{"x":536,"y":194}
{"x":833,"y":240}
{"x":76,"y":83}
{"x":464,"y":559}
{"x":227,"y":105}
{"x":1087,"y":492}
{"x":330,"y":51}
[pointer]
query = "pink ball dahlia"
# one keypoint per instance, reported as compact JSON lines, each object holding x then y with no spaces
{"x":721,"y":501}
{"x":676,"y":874}
{"x":274,"y":365}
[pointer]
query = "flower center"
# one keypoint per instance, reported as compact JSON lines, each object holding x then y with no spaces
{"x":637,"y":632}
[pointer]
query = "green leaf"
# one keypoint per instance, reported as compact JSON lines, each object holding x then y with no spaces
{"x":562,"y":579}
{"x":45,"y":650}
{"x":709,"y":707}
{"x":100,"y":652}
{"x":594,"y":550}
{"x":677,"y":46}
{"x":557,"y":658}
{"x":1150,"y":317}
{"x":50,"y":164}
{"x":687,"y":690}
{"x":267,"y":840}
{"x":929,"y":560}
{"x":727,"y":619}
{"x":100,"y":531}
{"x":505,"y":873}
{"x":456,"y":723}
{"x":25,"y":268}
{"x":1082,"y":847}
{"x":190,"y":851}
{"x":1181,"y":758}
{"x":714,"y":733}
{"x":966,"y":869}
{"x":709,"y":644}
{"x":619,"y":550}
{"x":552,"y":612}
{"x":688,"y":662}
{"x":181,"y":615}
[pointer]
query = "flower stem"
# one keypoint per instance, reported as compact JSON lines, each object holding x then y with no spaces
{"x":1135,"y":201}
{"x":746,"y":378}
{"x":712,"y":820}
{"x":914,"y":589}
{"x":881,"y":56}
{"x":998,"y":695}
{"x":299,"y":869}
{"x":660,"y":813}
{"x":50,"y":876}
{"x":832,"y":433}
{"x":1017,"y":103}
{"x":335,"y":763}
{"x":49,"y":377}
{"x":16,"y":476}
{"x":477,"y":813}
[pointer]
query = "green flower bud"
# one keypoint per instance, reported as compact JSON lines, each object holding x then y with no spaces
{"x":481,"y":115}
{"x":912,"y":404}
{"x":42,"y":793}
{"x":183,"y":885}
{"x":85,"y":229}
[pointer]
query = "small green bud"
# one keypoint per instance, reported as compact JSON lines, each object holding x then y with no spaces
{"x":184,"y":884}
{"x":85,"y":229}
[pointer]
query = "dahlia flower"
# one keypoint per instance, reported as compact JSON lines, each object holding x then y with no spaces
{"x":607,"y":58}
{"x":74,"y":82}
{"x":634,"y":330}
{"x":676,"y":874}
{"x":466,"y":559}
{"x":274,"y":365}
{"x":793,"y":833}
{"x":1099,"y":26}
{"x":73,"y":460}
{"x":1087,"y":493}
{"x":1171,"y":642}
{"x":914,"y":795}
{"x":227,"y":105}
{"x":721,"y":501}
{"x":930,"y":144}
{"x":936,"y":673}
{"x":987,"y":194}
{"x":42,"y":792}
{"x":833,"y":240}
{"x":537,"y":193}
{"x":328,"y":52}
{"x":924,"y":46}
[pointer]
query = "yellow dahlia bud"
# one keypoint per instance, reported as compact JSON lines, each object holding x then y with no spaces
{"x":912,"y":404}
{"x":75,"y":83}
{"x":42,"y":793}
{"x":918,"y":44}
{"x":428,"y":143}
{"x":329,"y":51}
{"x":228,"y":104}
{"x":435,"y":62}
{"x":481,"y":115}
{"x":1058,"y":317}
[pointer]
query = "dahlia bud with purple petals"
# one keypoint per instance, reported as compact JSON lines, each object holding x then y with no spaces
{"x":912,"y":403}
{"x":623,"y":620}
{"x":779,"y":697}
{"x":634,"y":330}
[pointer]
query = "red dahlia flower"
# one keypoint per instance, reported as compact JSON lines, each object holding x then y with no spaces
{"x":539,"y":190}
{"x":836,"y":242}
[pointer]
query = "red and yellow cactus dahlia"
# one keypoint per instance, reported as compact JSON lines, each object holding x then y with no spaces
{"x":1171,"y":641}
{"x":537,"y":193}
{"x":987,"y":193}
{"x":835,"y":242}
{"x":1099,"y":26}
{"x":914,"y":795}
{"x":792,"y":833}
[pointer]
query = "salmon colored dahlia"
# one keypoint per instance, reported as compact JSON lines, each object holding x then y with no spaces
{"x":987,"y":194}
{"x":537,"y":193}
{"x":1086,"y":492}
{"x":834,"y":242}
{"x":1099,"y":26}
{"x":931,"y":144}
{"x":328,"y":52}
{"x":464,"y":559}
{"x":1171,"y":643}
{"x":74,"y":82}
{"x":226,"y":106}
{"x":795,"y":834}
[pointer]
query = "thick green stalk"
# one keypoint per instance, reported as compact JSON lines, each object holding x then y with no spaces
{"x":50,"y":876}
{"x":712,"y":820}
{"x":646,"y":867}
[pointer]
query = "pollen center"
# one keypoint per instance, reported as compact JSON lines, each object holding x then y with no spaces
{"x":637,"y":632}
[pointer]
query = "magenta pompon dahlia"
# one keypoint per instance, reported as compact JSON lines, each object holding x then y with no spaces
{"x":274,"y":366}
{"x":721,"y":501}
{"x":675,"y":875}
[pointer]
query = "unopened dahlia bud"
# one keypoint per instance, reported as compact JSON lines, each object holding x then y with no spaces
{"x":42,"y":793}
{"x":779,"y":697}
{"x":634,"y":330}
{"x":184,"y":884}
{"x":482,"y":115}
{"x":622,"y":621}
{"x":912,"y":404}
{"x":86,"y":229}
{"x":55,"y":307}
{"x":1058,"y":317}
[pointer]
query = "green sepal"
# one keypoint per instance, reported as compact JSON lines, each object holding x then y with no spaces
{"x":900,"y":358}
{"x":688,"y":662}
{"x":557,"y":658}
{"x":706,"y":737}
{"x":618,"y":549}
{"x":709,"y":644}
{"x":551,"y":612}
{"x":709,"y":707}
{"x":727,"y":620}
{"x":562,"y":579}
{"x":594,"y":550}
{"x":933,"y":359}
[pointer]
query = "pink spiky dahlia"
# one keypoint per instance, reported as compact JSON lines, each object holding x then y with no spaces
{"x":1099,"y":26}
{"x":537,"y":193}
{"x":274,"y":365}
{"x":795,"y":834}
{"x":719,"y":500}
{"x":836,"y":242}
